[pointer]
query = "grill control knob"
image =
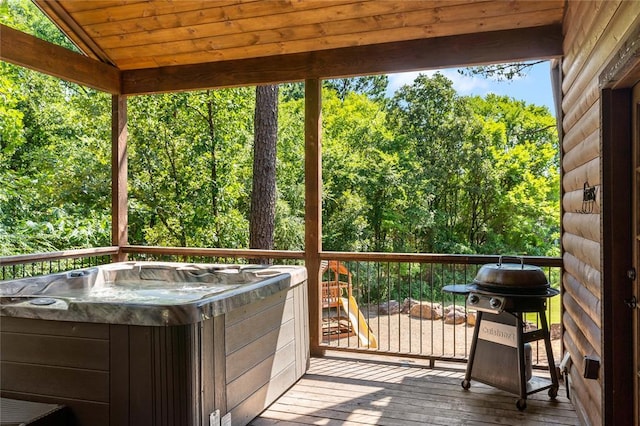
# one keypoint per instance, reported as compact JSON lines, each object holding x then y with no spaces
{"x":495,"y":303}
{"x":473,"y":299}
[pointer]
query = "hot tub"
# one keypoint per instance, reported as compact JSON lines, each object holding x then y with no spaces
{"x":146,"y":343}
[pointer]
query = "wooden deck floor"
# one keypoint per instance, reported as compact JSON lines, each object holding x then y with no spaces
{"x":338,"y":390}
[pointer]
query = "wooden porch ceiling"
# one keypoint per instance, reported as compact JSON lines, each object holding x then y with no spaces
{"x":159,"y":46}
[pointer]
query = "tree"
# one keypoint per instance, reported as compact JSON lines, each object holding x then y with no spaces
{"x":487,"y":169}
{"x":54,"y":143}
{"x":189,"y":168}
{"x":374,"y":87}
{"x":263,"y":194}
{"x":290,"y":204}
{"x":525,"y":214}
{"x":362,"y":192}
{"x":431,"y":120}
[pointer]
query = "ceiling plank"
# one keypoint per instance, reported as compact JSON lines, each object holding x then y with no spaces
{"x":210,"y":23}
{"x":28,"y":51}
{"x":229,"y":15}
{"x":82,"y":5}
{"x":154,"y":9}
{"x":203,"y":51}
{"x":442,"y":52}
{"x":330,"y":21}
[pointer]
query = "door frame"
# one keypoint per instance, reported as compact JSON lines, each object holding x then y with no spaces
{"x":635,"y":200}
{"x":616,"y":82}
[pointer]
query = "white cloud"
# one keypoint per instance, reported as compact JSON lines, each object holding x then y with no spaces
{"x":463,"y":84}
{"x":467,"y":85}
{"x":398,"y":80}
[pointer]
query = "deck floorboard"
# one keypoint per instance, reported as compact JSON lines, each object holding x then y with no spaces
{"x":339,"y":390}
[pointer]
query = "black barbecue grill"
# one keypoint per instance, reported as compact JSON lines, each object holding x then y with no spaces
{"x":502,"y":294}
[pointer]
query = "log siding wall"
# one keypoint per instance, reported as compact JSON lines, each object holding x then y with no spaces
{"x":593,"y":33}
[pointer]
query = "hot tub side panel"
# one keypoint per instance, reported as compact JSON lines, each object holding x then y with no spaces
{"x":114,"y":375}
{"x":125,"y":375}
{"x":236,"y":364}
{"x":155,"y":375}
{"x":267,"y":351}
{"x":57,"y":362}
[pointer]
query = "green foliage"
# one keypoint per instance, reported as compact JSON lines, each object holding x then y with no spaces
{"x":289,"y":232}
{"x":23,"y":15}
{"x":55,"y":169}
{"x":374,"y":87}
{"x":488,"y":168}
{"x":360,"y":175}
{"x":54,"y":153}
{"x":190,"y":168}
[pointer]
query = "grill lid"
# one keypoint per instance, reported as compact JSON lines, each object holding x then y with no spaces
{"x":511,"y":278}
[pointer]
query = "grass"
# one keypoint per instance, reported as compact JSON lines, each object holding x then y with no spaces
{"x":553,"y":312}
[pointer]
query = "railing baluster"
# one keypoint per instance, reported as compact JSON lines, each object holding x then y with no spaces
{"x":390,"y":300}
{"x":400,"y":300}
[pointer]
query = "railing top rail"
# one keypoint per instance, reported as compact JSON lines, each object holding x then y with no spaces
{"x":433,"y":258}
{"x":56,"y":255}
{"x":194,"y":251}
{"x":274,"y":254}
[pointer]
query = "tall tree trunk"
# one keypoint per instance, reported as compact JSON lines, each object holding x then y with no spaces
{"x":263,"y":195}
{"x":214,"y":166}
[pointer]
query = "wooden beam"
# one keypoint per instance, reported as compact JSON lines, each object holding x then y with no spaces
{"x":119,"y":217}
{"x":442,"y":52}
{"x":31,"y":52}
{"x":313,"y":207}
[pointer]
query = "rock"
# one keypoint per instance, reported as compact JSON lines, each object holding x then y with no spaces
{"x":408,"y":304}
{"x":471,"y":318}
{"x":454,"y":316}
{"x":389,"y":308}
{"x":459,"y":309}
{"x":426,"y":310}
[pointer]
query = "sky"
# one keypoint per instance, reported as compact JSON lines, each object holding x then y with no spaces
{"x":534,"y":88}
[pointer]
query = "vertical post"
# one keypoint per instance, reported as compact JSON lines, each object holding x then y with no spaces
{"x":313,"y":207}
{"x":556,"y":83}
{"x":119,"y":218}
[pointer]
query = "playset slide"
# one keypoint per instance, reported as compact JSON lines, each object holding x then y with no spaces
{"x":358,"y":321}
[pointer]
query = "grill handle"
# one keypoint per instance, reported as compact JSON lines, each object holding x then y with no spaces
{"x":520,"y":258}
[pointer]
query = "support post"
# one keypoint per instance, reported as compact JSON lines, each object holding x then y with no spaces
{"x":119,"y":218}
{"x":313,"y":207}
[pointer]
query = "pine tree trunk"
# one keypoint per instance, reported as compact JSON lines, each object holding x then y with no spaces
{"x":263,"y":195}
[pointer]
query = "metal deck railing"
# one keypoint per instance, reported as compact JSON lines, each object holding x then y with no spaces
{"x":398,"y":306}
{"x":391,"y":303}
